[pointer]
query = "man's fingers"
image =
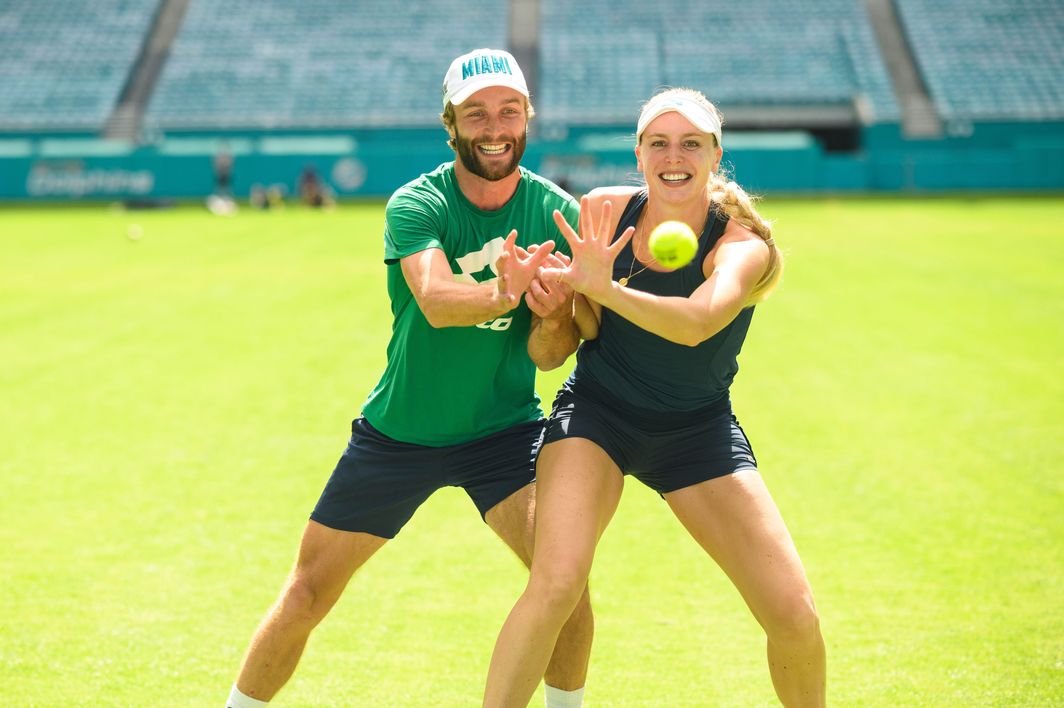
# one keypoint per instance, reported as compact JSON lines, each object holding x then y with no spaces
{"x":539,"y":290}
{"x":557,"y":260}
{"x":553,"y":262}
{"x":536,"y":259}
{"x":535,"y":306}
{"x":508,"y":244}
{"x":503,"y":287}
{"x":502,"y":263}
{"x":534,"y":296}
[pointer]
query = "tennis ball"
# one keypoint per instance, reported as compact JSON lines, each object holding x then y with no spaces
{"x":673,"y":244}
{"x":134,"y":232}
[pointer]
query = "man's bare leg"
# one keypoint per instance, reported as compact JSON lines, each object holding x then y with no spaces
{"x":327,"y":560}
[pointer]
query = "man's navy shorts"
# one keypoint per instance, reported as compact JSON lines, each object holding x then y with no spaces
{"x":666,"y":450}
{"x":379,"y":482}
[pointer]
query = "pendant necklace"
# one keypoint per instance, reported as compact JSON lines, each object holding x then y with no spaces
{"x":639,"y":229}
{"x":623,"y":282}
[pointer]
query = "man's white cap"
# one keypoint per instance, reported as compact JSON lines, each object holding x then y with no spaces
{"x":479,"y":69}
{"x":700,"y":116}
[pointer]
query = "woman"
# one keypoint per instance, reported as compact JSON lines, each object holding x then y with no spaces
{"x":649,"y":397}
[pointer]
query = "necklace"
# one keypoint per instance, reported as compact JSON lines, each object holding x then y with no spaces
{"x":639,"y":230}
{"x":624,"y":281}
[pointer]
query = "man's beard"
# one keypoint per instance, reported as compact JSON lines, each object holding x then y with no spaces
{"x":494,"y":171}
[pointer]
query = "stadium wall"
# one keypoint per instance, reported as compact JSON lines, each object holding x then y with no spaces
{"x":998,"y":156}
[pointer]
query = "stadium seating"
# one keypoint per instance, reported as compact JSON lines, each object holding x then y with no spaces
{"x":264,"y":64}
{"x":987,"y":59}
{"x":314,"y":63}
{"x":64,"y":62}
{"x":601,"y":59}
{"x":597,"y":77}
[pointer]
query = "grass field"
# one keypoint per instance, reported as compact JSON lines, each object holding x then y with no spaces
{"x":171,"y":408}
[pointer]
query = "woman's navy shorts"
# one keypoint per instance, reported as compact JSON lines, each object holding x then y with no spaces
{"x":664,"y":450}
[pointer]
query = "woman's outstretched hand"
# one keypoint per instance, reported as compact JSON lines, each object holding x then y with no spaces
{"x":591,"y":270}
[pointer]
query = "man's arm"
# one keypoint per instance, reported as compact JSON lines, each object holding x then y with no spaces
{"x":554,"y":334}
{"x":587,"y":315}
{"x":551,"y":341}
{"x":447,"y":303}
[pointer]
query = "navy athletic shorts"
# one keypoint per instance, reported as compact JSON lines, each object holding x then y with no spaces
{"x":664,"y":450}
{"x":379,"y":482}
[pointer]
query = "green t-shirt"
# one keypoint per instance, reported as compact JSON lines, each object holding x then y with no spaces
{"x":454,"y":384}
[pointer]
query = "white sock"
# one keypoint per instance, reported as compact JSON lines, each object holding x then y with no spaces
{"x":558,"y":698}
{"x":239,"y":700}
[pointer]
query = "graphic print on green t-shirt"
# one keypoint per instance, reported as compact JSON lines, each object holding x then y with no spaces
{"x":448,"y":385}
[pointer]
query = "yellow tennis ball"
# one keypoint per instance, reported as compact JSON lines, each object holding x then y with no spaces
{"x":673,"y":244}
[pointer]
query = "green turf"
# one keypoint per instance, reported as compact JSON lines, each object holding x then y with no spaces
{"x":172,"y":406}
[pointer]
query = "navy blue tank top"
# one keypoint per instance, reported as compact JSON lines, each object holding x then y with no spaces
{"x":645,"y":370}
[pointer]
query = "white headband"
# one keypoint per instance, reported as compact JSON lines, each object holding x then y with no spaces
{"x":700,"y":116}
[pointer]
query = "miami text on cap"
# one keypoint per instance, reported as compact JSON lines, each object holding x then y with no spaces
{"x":480,"y":69}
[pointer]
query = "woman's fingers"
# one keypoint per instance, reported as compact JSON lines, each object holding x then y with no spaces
{"x":566,"y":230}
{"x":604,"y":221}
{"x":621,"y":240}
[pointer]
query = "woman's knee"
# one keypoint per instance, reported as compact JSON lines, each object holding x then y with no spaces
{"x":558,"y":585}
{"x":793,"y":620}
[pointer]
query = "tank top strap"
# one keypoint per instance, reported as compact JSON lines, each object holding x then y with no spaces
{"x":636,"y":203}
{"x":716,"y":222}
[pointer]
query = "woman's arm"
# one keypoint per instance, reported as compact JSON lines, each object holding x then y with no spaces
{"x":735,"y":265}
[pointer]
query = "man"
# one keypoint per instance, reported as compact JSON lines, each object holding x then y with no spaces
{"x":461,"y":338}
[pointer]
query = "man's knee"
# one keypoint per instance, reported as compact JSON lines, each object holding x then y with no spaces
{"x":327,"y":560}
{"x":303,"y":602}
{"x":582,"y":616}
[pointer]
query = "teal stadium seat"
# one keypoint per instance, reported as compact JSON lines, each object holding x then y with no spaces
{"x":601,"y":58}
{"x":262,"y":64}
{"x":265,"y":64}
{"x":989,"y":59}
{"x":64,"y":62}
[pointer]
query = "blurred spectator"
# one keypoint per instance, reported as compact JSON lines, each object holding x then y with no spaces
{"x":312,"y":190}
{"x":221,"y":201}
{"x":223,"y":173}
{"x":275,"y":196}
{"x":259,"y":198}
